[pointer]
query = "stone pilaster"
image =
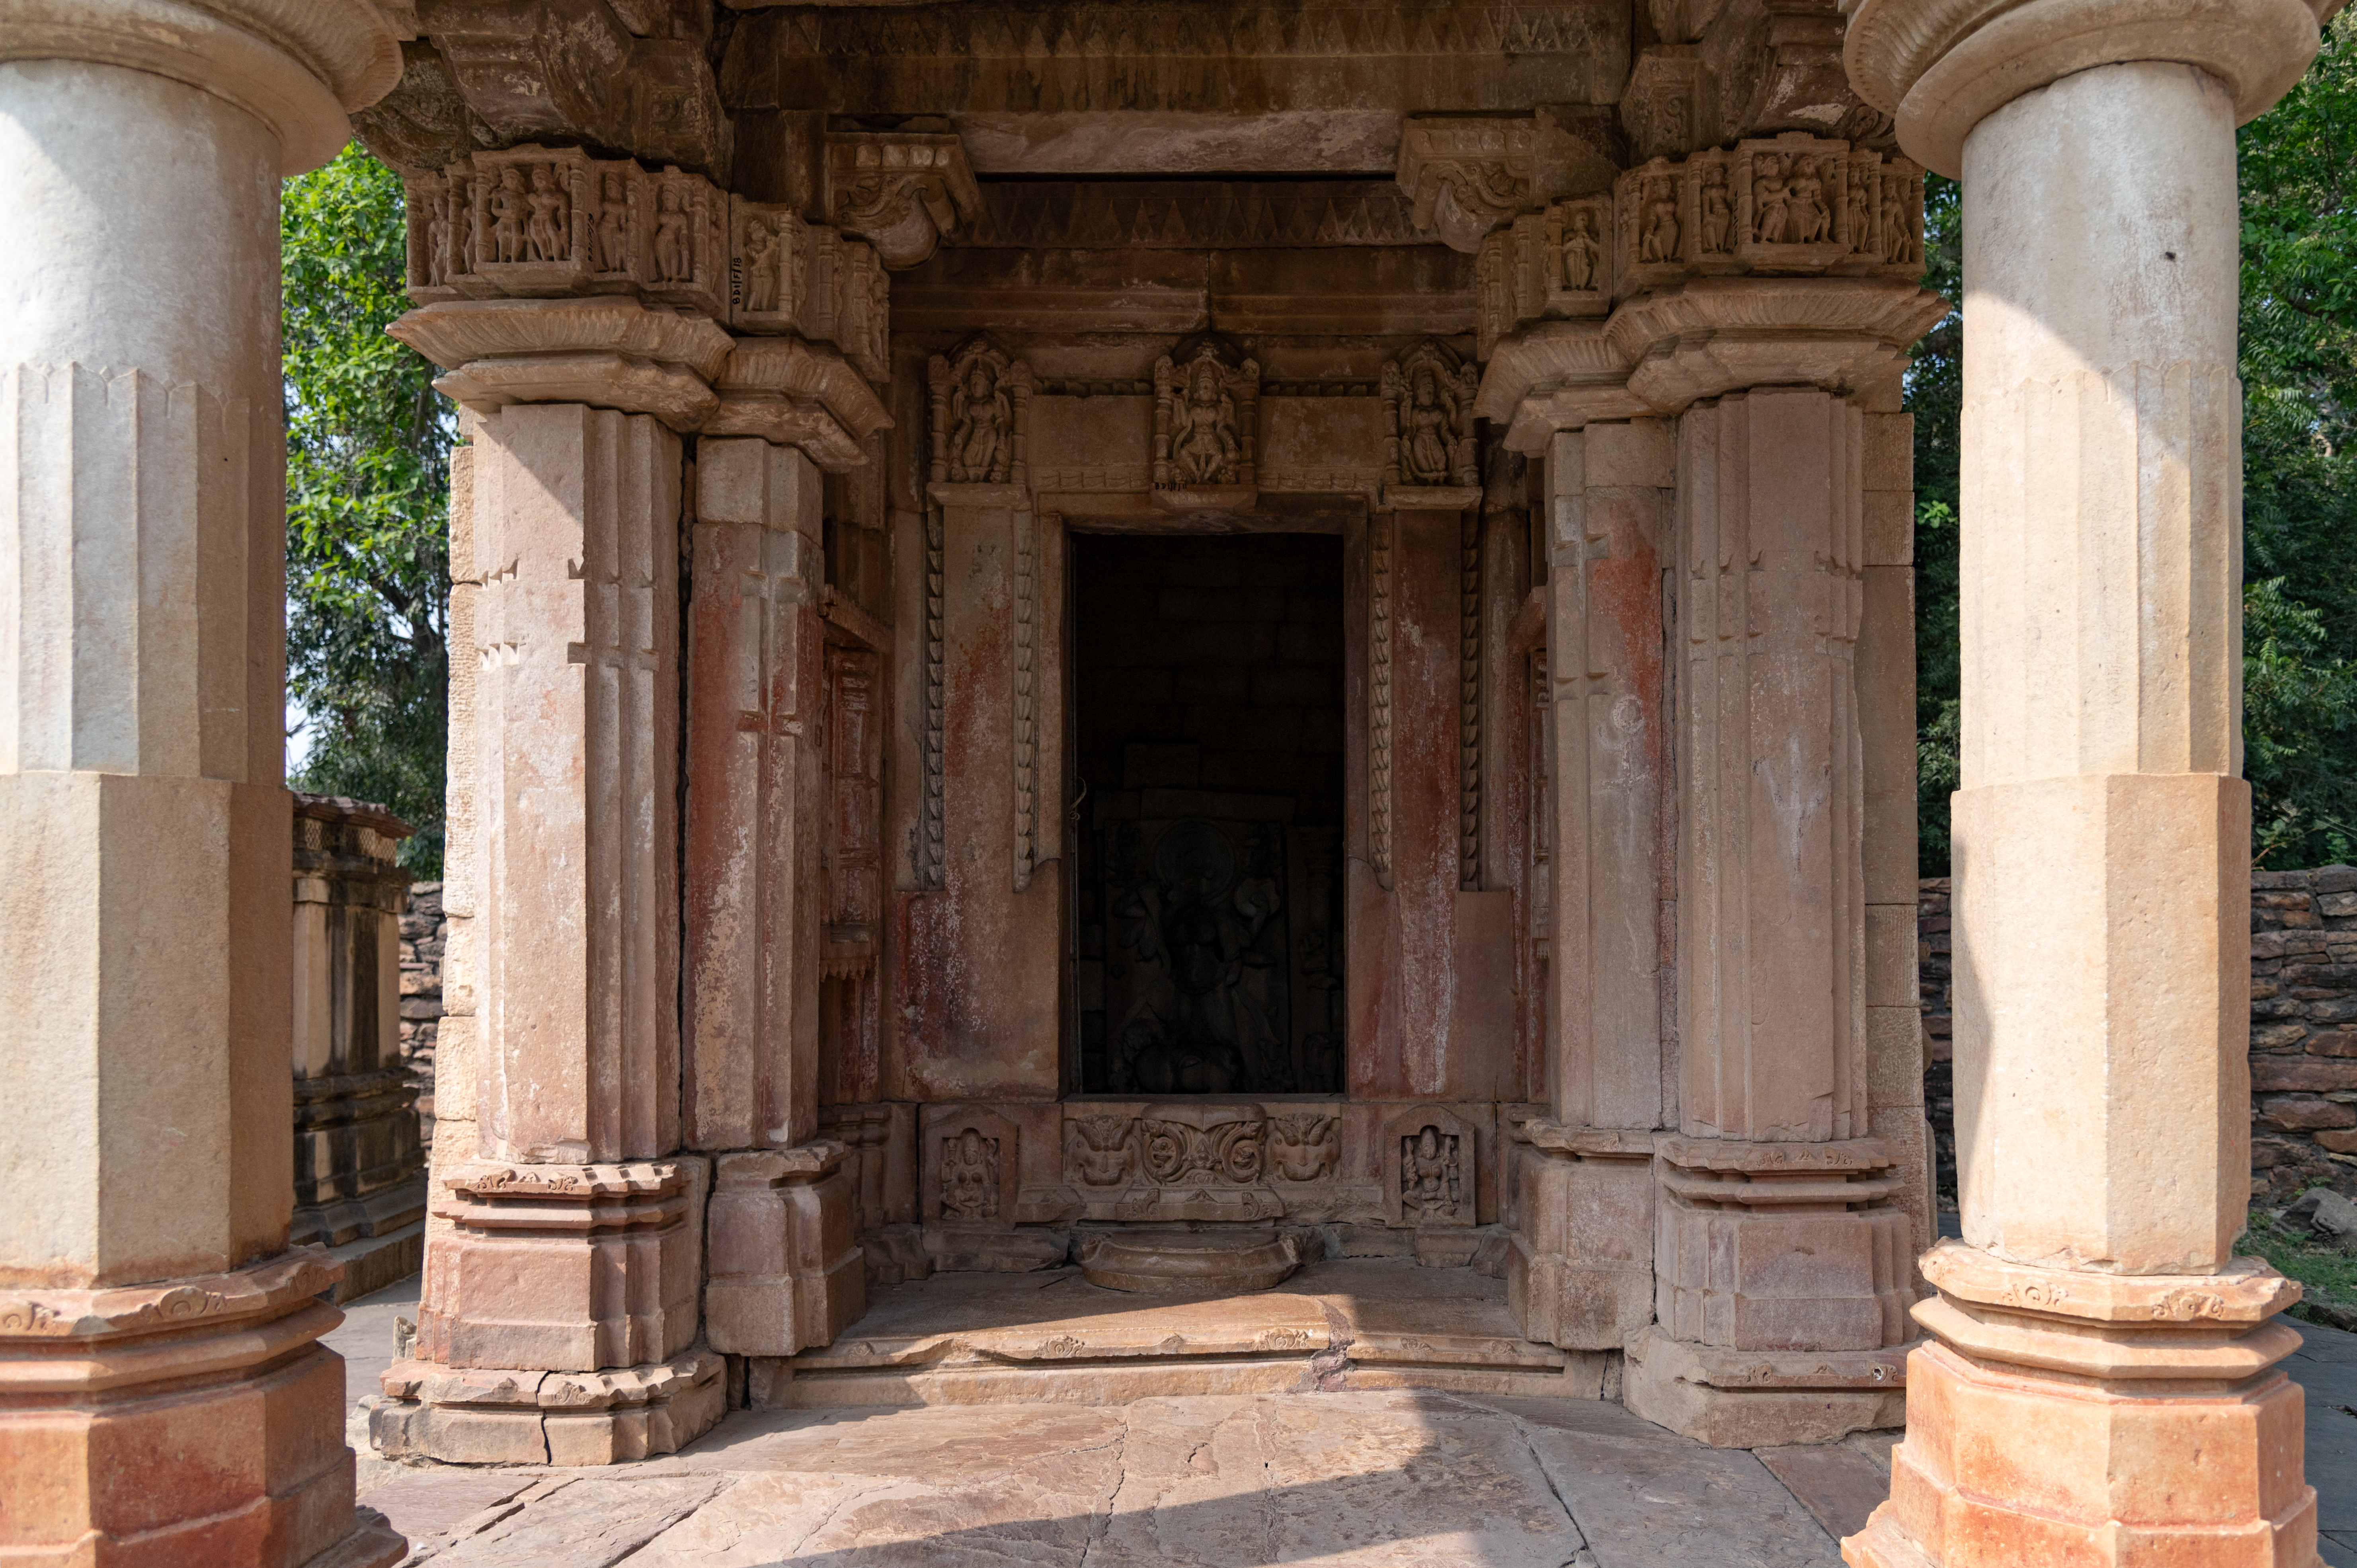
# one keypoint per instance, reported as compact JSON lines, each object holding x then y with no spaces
{"x":2103,"y":1384}
{"x":359,"y":1171}
{"x":568,"y":1232}
{"x":152,"y":1306}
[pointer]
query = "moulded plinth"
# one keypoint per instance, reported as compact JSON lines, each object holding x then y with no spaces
{"x":1158,"y":1262}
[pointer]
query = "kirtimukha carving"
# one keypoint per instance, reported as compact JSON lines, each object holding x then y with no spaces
{"x":981,"y":424}
{"x":1428,"y":419}
{"x":969,"y":1178}
{"x":1103,"y":1149}
{"x":902,"y":190}
{"x":1304,"y":1145}
{"x":1206,"y":426}
{"x":1466,"y":175}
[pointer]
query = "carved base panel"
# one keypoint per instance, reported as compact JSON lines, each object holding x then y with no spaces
{"x":1749,"y":1400}
{"x":117,"y":1408}
{"x":565,"y":1268}
{"x":1579,"y":1269}
{"x":787,"y":1272}
{"x":360,"y":1169}
{"x":479,"y":1416}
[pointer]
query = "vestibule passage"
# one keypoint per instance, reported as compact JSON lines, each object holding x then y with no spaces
{"x":1207,"y":690}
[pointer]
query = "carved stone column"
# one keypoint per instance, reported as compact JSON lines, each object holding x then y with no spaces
{"x":163,"y":1396}
{"x":2101,"y":1385}
{"x":360,"y":1170}
{"x":564,"y":1268}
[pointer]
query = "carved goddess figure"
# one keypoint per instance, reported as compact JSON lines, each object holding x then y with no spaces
{"x":507,"y":216}
{"x":1717,"y":212}
{"x":614,"y":228}
{"x":545,"y":228}
{"x":1206,"y":451}
{"x":1897,"y":233}
{"x":470,"y":239}
{"x":1581,"y":252}
{"x":1771,"y":196}
{"x":1811,"y":218}
{"x":1862,"y":236}
{"x":674,"y":262}
{"x":760,"y":266}
{"x":438,"y":244}
{"x":1429,"y":1183}
{"x":1661,"y":240}
{"x":1429,"y":442}
{"x":981,"y":421}
{"x":970,"y":1177}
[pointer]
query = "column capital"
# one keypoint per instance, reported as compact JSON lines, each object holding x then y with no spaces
{"x":1942,"y":66}
{"x":606,"y":350}
{"x":790,"y":394}
{"x":299,"y":66}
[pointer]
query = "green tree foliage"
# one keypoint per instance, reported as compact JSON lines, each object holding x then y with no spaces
{"x":368,"y":479}
{"x":2298,"y":353}
{"x":2298,"y":174}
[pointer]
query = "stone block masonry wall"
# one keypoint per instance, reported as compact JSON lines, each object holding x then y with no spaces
{"x":2303,"y":1031}
{"x":424,"y":931}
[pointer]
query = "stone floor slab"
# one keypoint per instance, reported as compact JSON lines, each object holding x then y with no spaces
{"x":1839,"y":1485}
{"x":584,"y":1523}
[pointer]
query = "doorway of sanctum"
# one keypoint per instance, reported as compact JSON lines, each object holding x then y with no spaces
{"x":1208,"y":681}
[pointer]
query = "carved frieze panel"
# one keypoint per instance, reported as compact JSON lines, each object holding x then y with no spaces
{"x":1430,"y":1160}
{"x":1550,"y":266}
{"x":981,"y":415}
{"x":969,"y":1167}
{"x":1466,"y":175}
{"x":535,"y":222}
{"x":787,"y":275}
{"x":1225,"y":1159}
{"x":1790,"y":204}
{"x":902,"y":190}
{"x":1206,"y":425}
{"x":1428,"y":442}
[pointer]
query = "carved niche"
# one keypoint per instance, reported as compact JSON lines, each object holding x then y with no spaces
{"x":1431,"y":1159}
{"x":1550,"y":266}
{"x":970,"y":1168}
{"x":1793,"y":203}
{"x":787,"y":275}
{"x":1428,"y":442}
{"x":531,"y":222}
{"x":981,"y":415}
{"x":1206,"y":426}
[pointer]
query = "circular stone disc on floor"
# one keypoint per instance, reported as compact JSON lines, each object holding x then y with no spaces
{"x":1168,"y":1262}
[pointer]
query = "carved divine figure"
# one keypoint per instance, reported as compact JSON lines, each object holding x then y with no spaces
{"x":1427,"y":396}
{"x":1717,"y":212}
{"x":471,"y":239}
{"x":1426,"y":445}
{"x":1899,"y":237}
{"x":675,"y":253}
{"x":760,"y":266}
{"x":1431,"y":1185}
{"x":438,"y":241}
{"x":969,"y":1176}
{"x":614,"y":228}
{"x":1812,"y":220}
{"x":1206,"y":449}
{"x":1204,"y":1021}
{"x":981,"y":420}
{"x":1860,"y":201}
{"x":545,"y":228}
{"x":1771,"y":202}
{"x":508,"y":202}
{"x":1582,"y":250}
{"x":1660,"y":242}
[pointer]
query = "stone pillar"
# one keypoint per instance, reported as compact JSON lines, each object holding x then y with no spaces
{"x":1581,"y":1271}
{"x":1783,"y":1272}
{"x":564,"y":1269}
{"x":162,"y":1393}
{"x":2101,"y":1385}
{"x":360,"y":1170}
{"x":786,"y":1270}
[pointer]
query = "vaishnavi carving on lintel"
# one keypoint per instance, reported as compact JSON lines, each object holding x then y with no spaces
{"x":1428,"y":418}
{"x":980,"y":409}
{"x":1206,"y":424}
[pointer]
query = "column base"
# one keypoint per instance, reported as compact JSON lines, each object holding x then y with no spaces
{"x":1580,"y":1265}
{"x":196,"y":1420}
{"x":484,"y":1415}
{"x":788,"y":1270}
{"x":2097,"y":1419}
{"x":1755,"y":1399}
